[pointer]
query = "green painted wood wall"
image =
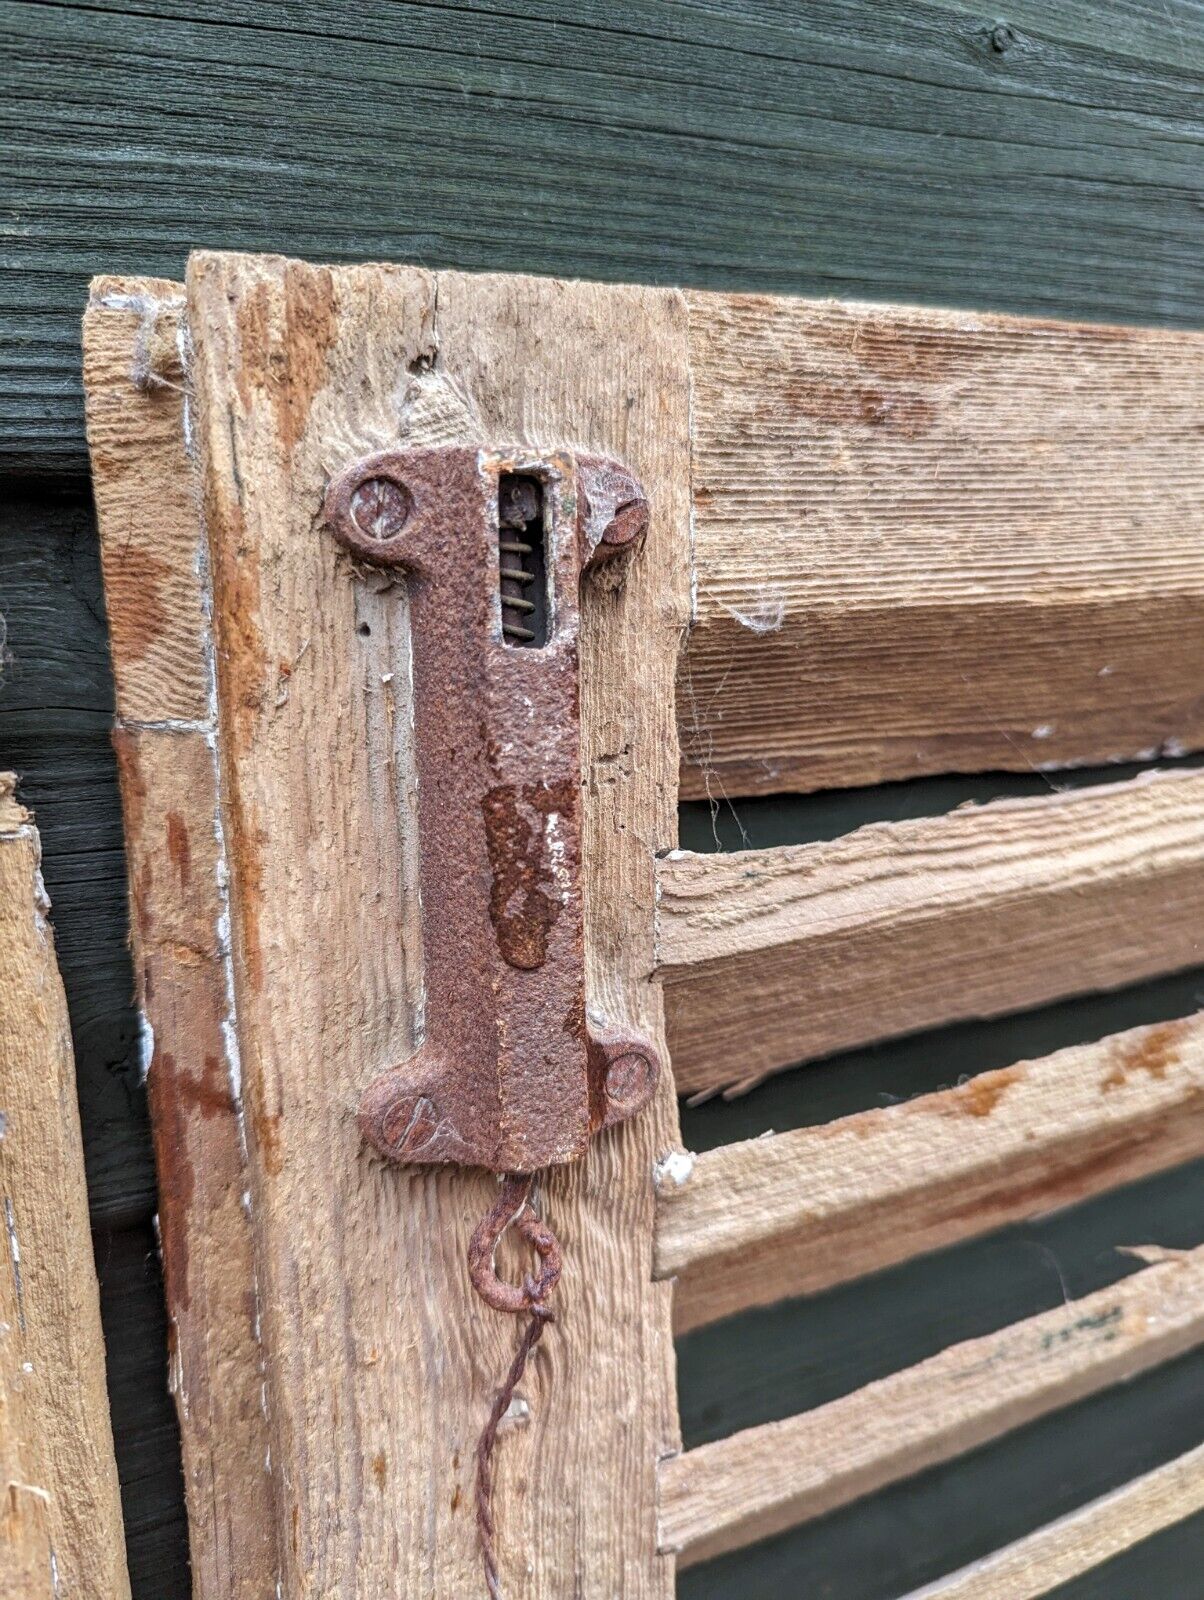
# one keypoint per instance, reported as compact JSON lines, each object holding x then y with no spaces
{"x":1045,"y":158}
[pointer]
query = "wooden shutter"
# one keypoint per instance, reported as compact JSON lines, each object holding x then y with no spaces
{"x":900,"y":542}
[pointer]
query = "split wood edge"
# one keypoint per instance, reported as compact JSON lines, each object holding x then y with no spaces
{"x":794,"y":1213}
{"x":773,"y":957}
{"x":937,"y":541}
{"x":157,"y":598}
{"x":60,"y":1508}
{"x":764,"y":1480}
{"x":1082,"y":1540}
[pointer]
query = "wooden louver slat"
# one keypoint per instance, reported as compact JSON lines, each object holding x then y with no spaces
{"x":771,"y":957}
{"x":1083,"y":1540}
{"x":798,"y":1212}
{"x":766,"y":1479}
{"x":937,"y":541}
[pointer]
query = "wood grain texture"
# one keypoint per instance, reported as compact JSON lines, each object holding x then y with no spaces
{"x":752,"y":1223}
{"x":146,"y":498}
{"x":776,"y":956}
{"x":156,"y":594}
{"x":922,"y":150}
{"x":26,"y":1569}
{"x":63,"y":1421}
{"x":381,"y":1364}
{"x":935,"y":541}
{"x":746,"y":1487}
{"x":1085,"y":1539}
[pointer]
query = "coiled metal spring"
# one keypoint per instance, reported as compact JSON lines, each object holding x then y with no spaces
{"x":518,"y":508}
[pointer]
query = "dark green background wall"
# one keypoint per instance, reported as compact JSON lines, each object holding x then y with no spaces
{"x":1045,"y":158}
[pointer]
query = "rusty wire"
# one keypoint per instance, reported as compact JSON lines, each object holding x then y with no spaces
{"x":510,"y":1208}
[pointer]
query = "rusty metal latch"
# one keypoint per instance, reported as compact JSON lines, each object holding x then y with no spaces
{"x":510,"y":1075}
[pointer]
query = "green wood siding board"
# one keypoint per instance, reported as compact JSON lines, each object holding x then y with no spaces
{"x":908,"y":151}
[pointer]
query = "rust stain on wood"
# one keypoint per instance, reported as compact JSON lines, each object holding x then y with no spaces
{"x":1154,"y":1053}
{"x":982,"y":1094}
{"x":242,"y":685}
{"x":267,"y":1136}
{"x":177,"y":1181}
{"x":179,"y":849}
{"x":136,"y":585}
{"x":843,"y":403}
{"x":310,"y":329}
{"x":287,"y":356}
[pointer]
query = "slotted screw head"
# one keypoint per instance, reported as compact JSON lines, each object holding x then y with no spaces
{"x":628,"y":1080}
{"x":380,"y":509}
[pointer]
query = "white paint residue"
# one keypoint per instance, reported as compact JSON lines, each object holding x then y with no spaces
{"x":146,"y":1045}
{"x":14,"y":1255}
{"x":234,"y":1069}
{"x":674,"y":1169}
{"x":141,"y":303}
{"x":1043,"y":731}
{"x":41,"y":899}
{"x":556,"y":854}
{"x":517,"y":1414}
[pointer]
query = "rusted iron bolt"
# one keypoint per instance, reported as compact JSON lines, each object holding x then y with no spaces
{"x":380,"y":509}
{"x":629,"y":1080}
{"x":629,"y":522}
{"x":403,"y":1127}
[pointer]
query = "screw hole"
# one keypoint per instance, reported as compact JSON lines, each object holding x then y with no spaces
{"x":363,"y":630}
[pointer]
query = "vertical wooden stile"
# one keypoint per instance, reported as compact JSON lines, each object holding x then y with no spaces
{"x":156,"y":593}
{"x":60,"y":1511}
{"x":380,"y":1363}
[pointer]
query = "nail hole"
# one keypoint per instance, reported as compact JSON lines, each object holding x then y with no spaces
{"x":363,"y":630}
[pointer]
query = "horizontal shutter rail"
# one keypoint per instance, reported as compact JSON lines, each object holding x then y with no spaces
{"x":1083,"y":1540}
{"x":930,"y":541}
{"x":773,"y":957}
{"x":752,"y":1223}
{"x":766,"y":1479}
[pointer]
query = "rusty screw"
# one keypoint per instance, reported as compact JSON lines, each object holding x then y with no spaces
{"x":408,"y":1126}
{"x":628,"y":1081}
{"x":629,"y":522}
{"x":380,"y":509}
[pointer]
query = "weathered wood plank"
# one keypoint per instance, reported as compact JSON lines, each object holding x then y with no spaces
{"x":1083,"y":1540}
{"x":934,"y":541}
{"x":145,"y":493}
{"x":727,"y":1494}
{"x":913,"y":151}
{"x":776,"y":956}
{"x":751,"y":1223}
{"x":156,"y":596}
{"x":376,"y":1395}
{"x":26,"y":1570}
{"x":60,"y":1407}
